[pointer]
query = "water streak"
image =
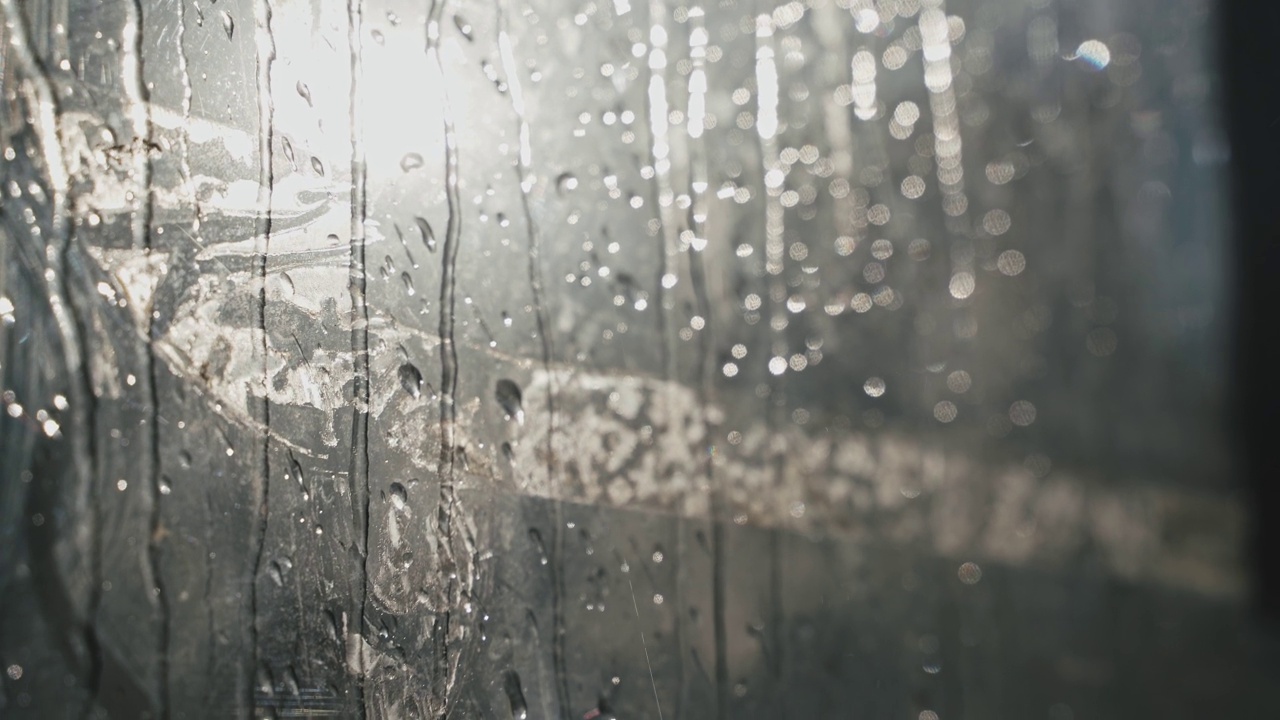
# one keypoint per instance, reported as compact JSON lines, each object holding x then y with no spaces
{"x":358,"y":475}
{"x":767,"y":126}
{"x":138,"y":95}
{"x":698,"y":212}
{"x":448,"y":364}
{"x":660,"y":155}
{"x":938,"y":79}
{"x":266,"y":53}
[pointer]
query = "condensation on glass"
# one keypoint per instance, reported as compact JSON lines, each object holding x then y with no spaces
{"x":732,"y":359}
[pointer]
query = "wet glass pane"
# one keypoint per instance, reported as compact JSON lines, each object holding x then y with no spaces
{"x":734,"y":359}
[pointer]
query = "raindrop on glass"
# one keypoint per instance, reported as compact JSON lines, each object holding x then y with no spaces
{"x":566,"y":182}
{"x":464,"y":27}
{"x":399,"y":497}
{"x":874,"y":386}
{"x":410,"y":161}
{"x":411,"y":379}
{"x":428,"y":236}
{"x":515,"y":696}
{"x":536,"y":538}
{"x":509,"y":397}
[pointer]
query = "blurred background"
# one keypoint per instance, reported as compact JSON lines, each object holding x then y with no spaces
{"x":737,"y":359}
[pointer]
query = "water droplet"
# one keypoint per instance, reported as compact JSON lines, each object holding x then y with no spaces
{"x":228,"y":24}
{"x":288,"y":151}
{"x":295,"y":471}
{"x":199,"y":16}
{"x":969,"y":573}
{"x":428,"y":235}
{"x":166,"y":485}
{"x":1022,"y":413}
{"x":945,"y":411}
{"x":408,"y":283}
{"x":317,"y":166}
{"x":509,"y":397}
{"x":1094,"y":53}
{"x":399,"y":496}
{"x":1011,"y":262}
{"x":506,"y":319}
{"x":536,"y":537}
{"x":508,"y":452}
{"x":464,"y":27}
{"x":291,"y":684}
{"x":410,"y":161}
{"x":388,"y":267}
{"x":411,"y":380}
{"x":304,"y":92}
{"x":566,"y":183}
{"x":515,"y":695}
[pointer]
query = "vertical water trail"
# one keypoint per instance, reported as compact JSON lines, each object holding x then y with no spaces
{"x":696,"y":118}
{"x":358,"y":475}
{"x":184,"y":135}
{"x":827,"y":24}
{"x":448,"y":362}
{"x":774,"y":245}
{"x":938,"y":77}
{"x":527,"y":180}
{"x":660,"y":154}
{"x":265,"y":53}
{"x":774,"y":181}
{"x":59,"y":19}
{"x":524,"y":170}
{"x":135,"y":88}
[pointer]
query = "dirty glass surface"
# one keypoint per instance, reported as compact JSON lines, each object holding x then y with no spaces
{"x":735,"y":359}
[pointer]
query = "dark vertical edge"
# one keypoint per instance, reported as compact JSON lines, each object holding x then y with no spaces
{"x":1249,"y":56}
